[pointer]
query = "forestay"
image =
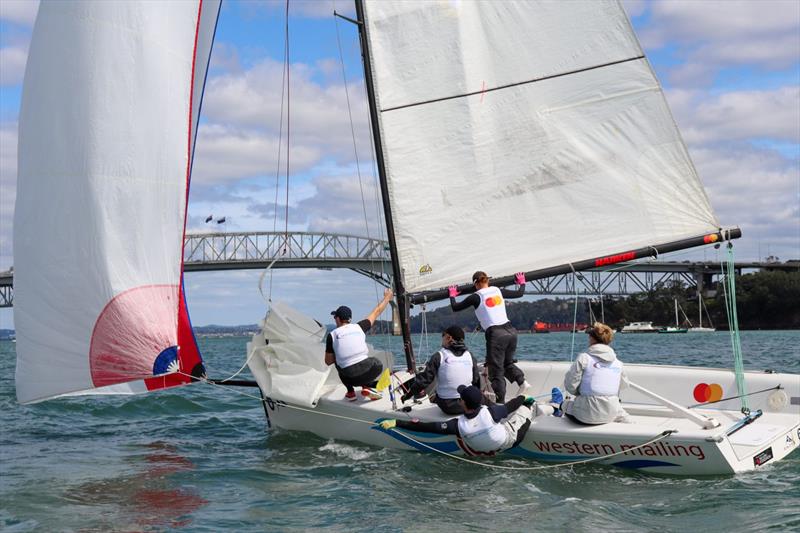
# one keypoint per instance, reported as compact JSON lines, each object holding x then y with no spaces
{"x":523,"y":135}
{"x":109,"y":113}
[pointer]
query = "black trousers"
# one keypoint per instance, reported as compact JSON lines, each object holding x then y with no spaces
{"x":501,"y":345}
{"x":362,"y":374}
{"x":450,"y":406}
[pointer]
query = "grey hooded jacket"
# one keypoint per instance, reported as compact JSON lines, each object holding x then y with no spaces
{"x":593,"y":409}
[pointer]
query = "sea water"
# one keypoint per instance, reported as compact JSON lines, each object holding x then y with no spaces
{"x":201,"y":458}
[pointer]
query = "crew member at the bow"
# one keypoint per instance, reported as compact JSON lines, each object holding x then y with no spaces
{"x":346,"y":346}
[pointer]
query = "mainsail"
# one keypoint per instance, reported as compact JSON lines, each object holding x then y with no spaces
{"x":109,"y":114}
{"x":523,"y":135}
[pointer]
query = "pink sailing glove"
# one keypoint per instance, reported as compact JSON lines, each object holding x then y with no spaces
{"x":519,"y":277}
{"x":453,"y":291}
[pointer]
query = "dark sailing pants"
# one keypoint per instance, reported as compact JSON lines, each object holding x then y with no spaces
{"x":362,"y":374}
{"x":450,"y":406}
{"x":501,"y":345}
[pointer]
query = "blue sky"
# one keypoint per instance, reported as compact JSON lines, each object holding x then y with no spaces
{"x":730,"y":70}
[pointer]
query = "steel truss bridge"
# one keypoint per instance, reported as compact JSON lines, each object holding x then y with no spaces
{"x":370,"y":257}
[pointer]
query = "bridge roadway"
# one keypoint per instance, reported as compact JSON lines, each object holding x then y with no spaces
{"x":370,"y":257}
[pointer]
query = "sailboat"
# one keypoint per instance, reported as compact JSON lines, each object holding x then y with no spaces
{"x":546,"y":112}
{"x":700,"y":308}
{"x":677,"y":327}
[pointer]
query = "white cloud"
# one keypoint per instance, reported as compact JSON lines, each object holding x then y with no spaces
{"x":252,"y":99}
{"x":340,"y":203}
{"x":242,"y":130}
{"x":758,"y":190}
{"x":19,"y":11}
{"x":8,"y":190}
{"x":12,"y":65}
{"x":302,"y":8}
{"x":715,"y":34}
{"x":737,"y":115}
{"x":226,"y":154}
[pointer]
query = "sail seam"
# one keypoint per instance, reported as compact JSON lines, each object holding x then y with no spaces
{"x":515,"y":84}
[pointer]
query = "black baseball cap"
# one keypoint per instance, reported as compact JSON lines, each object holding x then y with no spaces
{"x":471,"y":395}
{"x":456,"y":332}
{"x":343,"y":313}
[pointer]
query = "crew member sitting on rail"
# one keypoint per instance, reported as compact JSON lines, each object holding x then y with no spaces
{"x":452,"y":366}
{"x":501,"y":337}
{"x":596,"y":377}
{"x":482,"y":429}
{"x":346,"y":346}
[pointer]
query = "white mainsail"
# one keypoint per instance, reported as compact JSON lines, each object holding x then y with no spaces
{"x":109,"y":113}
{"x":523,"y":135}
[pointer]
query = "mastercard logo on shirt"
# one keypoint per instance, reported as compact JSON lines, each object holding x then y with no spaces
{"x":491,"y":301}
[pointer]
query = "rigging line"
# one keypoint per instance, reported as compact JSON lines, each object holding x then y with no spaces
{"x":278,"y":169}
{"x":314,"y":411}
{"x":288,"y":130}
{"x":515,"y":84}
{"x":734,"y":330}
{"x":659,"y":437}
{"x":424,"y":332}
{"x":376,"y":185}
{"x":355,"y":145}
{"x":247,"y":362}
{"x":574,"y":313}
{"x":776,"y":387}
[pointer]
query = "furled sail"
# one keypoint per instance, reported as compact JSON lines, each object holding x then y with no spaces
{"x":519,"y":135}
{"x":109,"y":113}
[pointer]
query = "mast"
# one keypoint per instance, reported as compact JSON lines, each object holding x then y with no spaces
{"x":676,"y":312}
{"x":403,"y":303}
{"x":699,"y":309}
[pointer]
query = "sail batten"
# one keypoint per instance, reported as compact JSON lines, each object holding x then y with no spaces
{"x":519,"y":136}
{"x":486,"y":90}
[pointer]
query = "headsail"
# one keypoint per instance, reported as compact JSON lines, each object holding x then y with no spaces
{"x":109,"y":114}
{"x":523,"y":135}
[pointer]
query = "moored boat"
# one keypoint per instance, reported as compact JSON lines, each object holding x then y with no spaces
{"x":640,"y":327}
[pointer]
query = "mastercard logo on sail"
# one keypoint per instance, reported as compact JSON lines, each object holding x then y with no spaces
{"x":708,"y":392}
{"x":491,"y":301}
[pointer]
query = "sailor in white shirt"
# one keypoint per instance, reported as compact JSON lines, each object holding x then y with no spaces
{"x":346,"y":346}
{"x":501,"y":337}
{"x":452,"y":366}
{"x":485,"y":428}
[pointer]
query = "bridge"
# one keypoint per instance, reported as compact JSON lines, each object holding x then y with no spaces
{"x":370,"y":257}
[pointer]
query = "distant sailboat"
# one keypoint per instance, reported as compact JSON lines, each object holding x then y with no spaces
{"x":677,"y":327}
{"x":700,"y":308}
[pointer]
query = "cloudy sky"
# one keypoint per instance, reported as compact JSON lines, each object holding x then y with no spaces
{"x":730,"y":70}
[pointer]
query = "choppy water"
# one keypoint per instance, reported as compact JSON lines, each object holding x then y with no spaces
{"x":202,"y":459}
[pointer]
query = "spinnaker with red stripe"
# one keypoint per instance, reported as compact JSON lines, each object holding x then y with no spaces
{"x":110,"y":108}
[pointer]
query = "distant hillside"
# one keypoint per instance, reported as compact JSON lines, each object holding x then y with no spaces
{"x":226,"y":331}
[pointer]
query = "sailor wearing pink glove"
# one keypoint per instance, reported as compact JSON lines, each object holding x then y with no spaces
{"x":501,"y":337}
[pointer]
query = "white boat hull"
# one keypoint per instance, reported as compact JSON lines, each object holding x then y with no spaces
{"x":690,"y":451}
